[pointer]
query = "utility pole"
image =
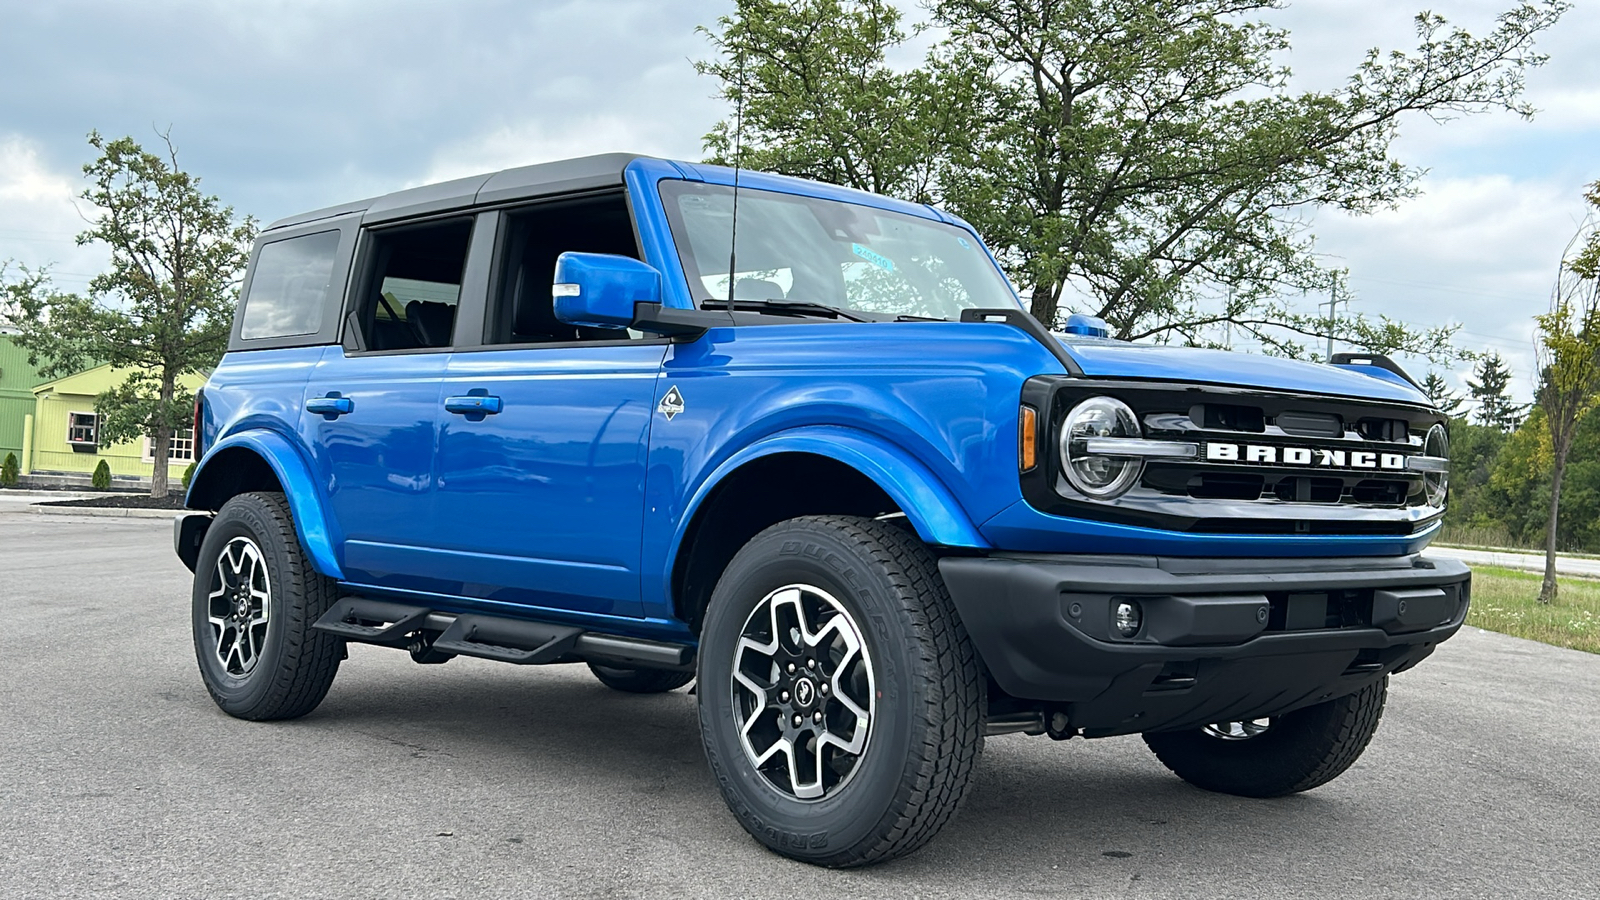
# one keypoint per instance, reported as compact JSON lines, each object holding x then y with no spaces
{"x":1228,"y":325}
{"x":1333,"y":305}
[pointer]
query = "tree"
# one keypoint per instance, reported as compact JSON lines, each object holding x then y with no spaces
{"x":15,"y":287}
{"x":1569,"y":363}
{"x":1448,"y":401}
{"x":815,"y":71}
{"x":101,"y":479}
{"x":1145,"y":155}
{"x":164,"y":307}
{"x":1491,"y":391}
{"x":9,"y":471}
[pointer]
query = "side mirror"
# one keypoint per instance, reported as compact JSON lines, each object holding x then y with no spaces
{"x":599,"y":290}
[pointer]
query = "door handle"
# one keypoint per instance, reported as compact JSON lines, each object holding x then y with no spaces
{"x":331,"y":407}
{"x":475,"y":405}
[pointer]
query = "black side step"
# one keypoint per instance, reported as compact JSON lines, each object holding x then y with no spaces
{"x":507,"y":640}
{"x":372,"y":621}
{"x":518,"y":641}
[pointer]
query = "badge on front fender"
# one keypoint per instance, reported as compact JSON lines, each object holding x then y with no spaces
{"x":671,"y":404}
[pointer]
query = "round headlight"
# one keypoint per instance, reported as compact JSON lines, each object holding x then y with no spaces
{"x":1436,"y":484}
{"x":1100,"y":477}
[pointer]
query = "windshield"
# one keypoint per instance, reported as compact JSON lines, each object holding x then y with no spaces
{"x":849,"y":257}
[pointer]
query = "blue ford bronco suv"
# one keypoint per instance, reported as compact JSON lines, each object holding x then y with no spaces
{"x":835,"y":474}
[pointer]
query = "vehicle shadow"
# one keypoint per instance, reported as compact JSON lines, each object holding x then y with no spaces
{"x":1037,"y":806}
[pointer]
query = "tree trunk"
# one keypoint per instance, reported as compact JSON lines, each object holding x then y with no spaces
{"x":1045,"y":304}
{"x":161,"y":437}
{"x":1547,"y":590}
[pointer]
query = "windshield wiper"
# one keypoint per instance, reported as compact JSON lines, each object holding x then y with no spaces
{"x":801,"y":307}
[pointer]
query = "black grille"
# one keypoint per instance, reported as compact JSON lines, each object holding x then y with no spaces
{"x":1268,"y":462}
{"x":1283,"y":427}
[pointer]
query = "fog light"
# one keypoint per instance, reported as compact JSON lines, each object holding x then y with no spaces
{"x":1128,"y":618}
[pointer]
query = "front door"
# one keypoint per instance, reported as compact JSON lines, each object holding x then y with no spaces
{"x":541,"y":465}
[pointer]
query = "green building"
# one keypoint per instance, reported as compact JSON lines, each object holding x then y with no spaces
{"x":53,"y":428}
{"x":17,"y":381}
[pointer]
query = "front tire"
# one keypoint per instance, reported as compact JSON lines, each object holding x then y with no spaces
{"x":1283,"y":755}
{"x":840,"y":698}
{"x":255,"y":599}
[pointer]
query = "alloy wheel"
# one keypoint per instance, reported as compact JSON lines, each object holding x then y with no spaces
{"x":803,"y":692}
{"x":239,"y":606}
{"x":1238,"y":731}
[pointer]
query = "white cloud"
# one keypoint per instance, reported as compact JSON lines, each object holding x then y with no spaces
{"x":528,"y":142}
{"x":39,"y":216}
{"x":1479,"y":251}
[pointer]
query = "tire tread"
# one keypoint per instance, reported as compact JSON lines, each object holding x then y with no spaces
{"x":1325,"y":740}
{"x":939,"y":771}
{"x":308,"y":660}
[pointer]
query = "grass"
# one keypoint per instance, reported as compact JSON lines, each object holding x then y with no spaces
{"x":1496,"y":538}
{"x":1506,"y":600}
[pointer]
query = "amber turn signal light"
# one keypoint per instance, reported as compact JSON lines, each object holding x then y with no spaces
{"x":1027,"y":438}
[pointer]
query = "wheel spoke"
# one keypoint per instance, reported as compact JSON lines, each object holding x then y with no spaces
{"x":1238,"y":731}
{"x":802,"y":690}
{"x":239,"y":605}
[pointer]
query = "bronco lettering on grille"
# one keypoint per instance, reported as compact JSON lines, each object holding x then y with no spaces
{"x":1309,"y":457}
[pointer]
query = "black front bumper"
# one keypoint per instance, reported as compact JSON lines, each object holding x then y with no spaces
{"x":1220,"y":639}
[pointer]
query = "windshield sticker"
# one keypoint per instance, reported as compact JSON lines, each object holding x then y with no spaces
{"x":963,"y":242}
{"x":877,"y":259}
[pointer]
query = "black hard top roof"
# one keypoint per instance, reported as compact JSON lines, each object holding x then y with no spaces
{"x":524,"y":182}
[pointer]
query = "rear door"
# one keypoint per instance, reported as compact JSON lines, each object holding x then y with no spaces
{"x":371,"y":404}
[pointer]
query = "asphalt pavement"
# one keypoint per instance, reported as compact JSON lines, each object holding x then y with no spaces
{"x":120,"y":778}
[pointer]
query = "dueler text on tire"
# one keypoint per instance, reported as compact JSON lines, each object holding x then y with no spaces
{"x":840,"y":698}
{"x":255,"y":600}
{"x":1283,"y":755}
{"x":640,"y":681}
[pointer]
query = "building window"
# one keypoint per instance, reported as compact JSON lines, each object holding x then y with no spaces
{"x":180,"y":448}
{"x":83,"y":430}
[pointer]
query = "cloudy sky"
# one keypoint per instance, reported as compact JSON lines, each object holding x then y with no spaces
{"x":286,"y":106}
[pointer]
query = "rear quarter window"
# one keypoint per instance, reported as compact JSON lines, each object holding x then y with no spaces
{"x":289,"y":288}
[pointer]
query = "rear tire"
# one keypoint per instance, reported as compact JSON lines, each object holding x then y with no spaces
{"x":255,"y":599}
{"x":1296,"y":752}
{"x":841,"y":702}
{"x":640,"y":681}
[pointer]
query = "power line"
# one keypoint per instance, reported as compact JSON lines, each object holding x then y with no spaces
{"x":1443,"y":288}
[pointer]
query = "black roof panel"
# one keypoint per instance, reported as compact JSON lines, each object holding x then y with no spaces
{"x":524,"y":182}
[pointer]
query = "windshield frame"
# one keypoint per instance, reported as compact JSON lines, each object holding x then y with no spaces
{"x":978,"y":260}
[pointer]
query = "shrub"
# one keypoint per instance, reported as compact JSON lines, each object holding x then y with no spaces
{"x":188,"y":476}
{"x":8,"y":471}
{"x":102,"y":476}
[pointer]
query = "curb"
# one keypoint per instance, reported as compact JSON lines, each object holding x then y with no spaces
{"x":104,"y":511}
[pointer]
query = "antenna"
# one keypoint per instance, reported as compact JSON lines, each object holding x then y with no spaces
{"x":738,"y":155}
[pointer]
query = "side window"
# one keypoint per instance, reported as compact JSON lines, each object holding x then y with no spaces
{"x":289,"y":288}
{"x":523,"y":311}
{"x":412,"y":286}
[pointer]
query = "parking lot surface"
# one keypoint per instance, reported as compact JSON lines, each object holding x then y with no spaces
{"x":120,"y":778}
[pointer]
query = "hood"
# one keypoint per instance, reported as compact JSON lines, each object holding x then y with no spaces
{"x":1119,"y":359}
